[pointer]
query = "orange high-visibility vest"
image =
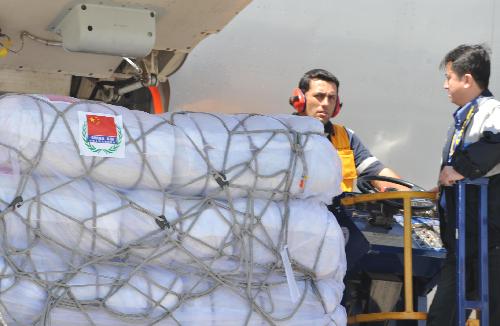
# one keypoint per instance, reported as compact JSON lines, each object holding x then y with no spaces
{"x":340,"y":140}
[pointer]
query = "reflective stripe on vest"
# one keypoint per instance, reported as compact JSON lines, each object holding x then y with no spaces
{"x":340,"y":140}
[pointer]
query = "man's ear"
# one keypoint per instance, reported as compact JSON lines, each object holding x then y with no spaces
{"x":468,"y":80}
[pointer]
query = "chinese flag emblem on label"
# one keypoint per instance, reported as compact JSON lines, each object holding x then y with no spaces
{"x":101,"y":129}
{"x":101,"y":135}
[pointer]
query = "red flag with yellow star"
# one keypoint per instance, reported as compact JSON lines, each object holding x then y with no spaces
{"x":101,"y":129}
{"x":101,"y":126}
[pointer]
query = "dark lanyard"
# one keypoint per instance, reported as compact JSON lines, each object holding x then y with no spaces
{"x":459,"y":133}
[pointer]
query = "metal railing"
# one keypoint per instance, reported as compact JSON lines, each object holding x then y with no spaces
{"x":408,"y":313}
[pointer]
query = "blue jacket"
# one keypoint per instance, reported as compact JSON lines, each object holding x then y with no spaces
{"x":477,"y":155}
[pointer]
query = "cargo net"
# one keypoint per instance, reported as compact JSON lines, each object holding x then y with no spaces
{"x":208,"y":219}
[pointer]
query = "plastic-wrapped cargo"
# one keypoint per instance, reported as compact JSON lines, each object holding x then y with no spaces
{"x":91,"y":219}
{"x":201,"y":223}
{"x":237,"y":242}
{"x":48,"y":142}
{"x":253,"y":155}
{"x":227,"y":306}
{"x":251,"y":230}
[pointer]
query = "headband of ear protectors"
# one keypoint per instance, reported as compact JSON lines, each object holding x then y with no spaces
{"x":298,"y":101}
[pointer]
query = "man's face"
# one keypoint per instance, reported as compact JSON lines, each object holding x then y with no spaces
{"x":320,"y":99}
{"x":455,"y":86}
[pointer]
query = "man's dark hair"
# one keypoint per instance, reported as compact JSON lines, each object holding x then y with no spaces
{"x":470,"y":59}
{"x":320,"y":74}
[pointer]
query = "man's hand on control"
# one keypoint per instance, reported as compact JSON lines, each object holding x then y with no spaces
{"x":449,"y":176}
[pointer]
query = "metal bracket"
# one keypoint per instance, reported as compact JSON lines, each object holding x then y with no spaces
{"x":162,"y":222}
{"x":16,"y":203}
{"x":220,"y":178}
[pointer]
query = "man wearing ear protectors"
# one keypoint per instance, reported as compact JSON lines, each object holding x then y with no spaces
{"x":318,"y":96}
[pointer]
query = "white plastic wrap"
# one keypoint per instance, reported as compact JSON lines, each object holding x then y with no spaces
{"x":44,"y":262}
{"x":198,"y":228}
{"x":85,"y":316}
{"x":151,"y":292}
{"x":330,"y":293}
{"x":77,"y":214}
{"x":21,"y":300}
{"x":315,"y":240}
{"x":257,"y":156}
{"x":301,"y":123}
{"x":339,"y":316}
{"x":248,"y":229}
{"x":227,"y":307}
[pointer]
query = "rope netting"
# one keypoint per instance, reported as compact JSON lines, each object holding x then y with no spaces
{"x":208,"y":219}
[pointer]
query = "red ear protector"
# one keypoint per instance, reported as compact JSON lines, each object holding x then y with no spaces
{"x":298,"y":101}
{"x":5,"y":44}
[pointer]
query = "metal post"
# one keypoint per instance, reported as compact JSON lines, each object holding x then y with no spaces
{"x":483,"y":302}
{"x":483,"y":250}
{"x":460,"y":248}
{"x":408,"y":259}
{"x":422,"y":306}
